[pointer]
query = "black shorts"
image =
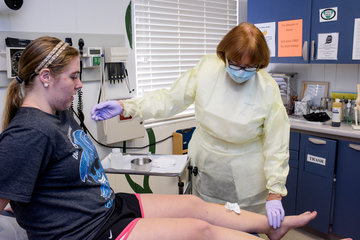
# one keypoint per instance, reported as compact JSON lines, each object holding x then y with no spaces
{"x":128,"y":210}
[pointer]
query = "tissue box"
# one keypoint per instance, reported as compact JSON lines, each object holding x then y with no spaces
{"x":302,"y":108}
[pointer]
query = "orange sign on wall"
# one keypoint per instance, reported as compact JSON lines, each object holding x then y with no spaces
{"x":290,"y":38}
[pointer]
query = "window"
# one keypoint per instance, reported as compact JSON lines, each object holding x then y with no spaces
{"x":171,"y":36}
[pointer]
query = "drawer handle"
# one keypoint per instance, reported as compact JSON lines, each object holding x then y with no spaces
{"x":317,"y":141}
{"x":305,"y":51}
{"x":312,"y":50}
{"x":355,"y":147}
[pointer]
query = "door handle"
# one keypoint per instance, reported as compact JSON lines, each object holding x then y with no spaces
{"x":317,"y":141}
{"x":305,"y":51}
{"x":312,"y":50}
{"x":355,"y":147}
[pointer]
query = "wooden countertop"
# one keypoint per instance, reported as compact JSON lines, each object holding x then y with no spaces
{"x":344,"y":132}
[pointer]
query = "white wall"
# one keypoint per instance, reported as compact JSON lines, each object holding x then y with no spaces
{"x":341,"y":77}
{"x":242,"y":10}
{"x":87,"y":16}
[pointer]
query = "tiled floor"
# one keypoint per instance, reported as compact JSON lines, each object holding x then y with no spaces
{"x":306,"y":234}
{"x":300,"y":234}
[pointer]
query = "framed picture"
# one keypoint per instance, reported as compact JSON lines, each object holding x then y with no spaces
{"x":314,"y":91}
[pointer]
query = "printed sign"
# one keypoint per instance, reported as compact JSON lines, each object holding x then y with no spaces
{"x":328,"y":46}
{"x":290,"y":38}
{"x":316,"y":160}
{"x":268,"y":29}
{"x":356,"y":40}
{"x":328,"y":14}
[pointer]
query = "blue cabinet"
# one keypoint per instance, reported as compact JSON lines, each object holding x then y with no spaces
{"x":262,"y":11}
{"x":289,"y":201}
{"x":347,"y":12}
{"x":316,"y":179}
{"x":347,"y":193}
{"x":315,"y":163}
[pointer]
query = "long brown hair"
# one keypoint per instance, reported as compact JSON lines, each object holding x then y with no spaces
{"x":31,"y":58}
{"x":244,"y":40}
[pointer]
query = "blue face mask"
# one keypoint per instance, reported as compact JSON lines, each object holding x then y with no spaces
{"x":239,"y":76}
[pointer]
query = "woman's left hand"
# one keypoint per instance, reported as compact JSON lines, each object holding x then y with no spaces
{"x":275,"y":212}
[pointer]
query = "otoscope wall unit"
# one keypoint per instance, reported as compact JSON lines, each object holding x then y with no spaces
{"x":93,"y":51}
{"x":92,"y":57}
{"x":116,"y":59}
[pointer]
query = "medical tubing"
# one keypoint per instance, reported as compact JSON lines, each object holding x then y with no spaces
{"x":108,"y":146}
{"x":127,"y":82}
{"x":81,"y":115}
{"x":101,"y":90}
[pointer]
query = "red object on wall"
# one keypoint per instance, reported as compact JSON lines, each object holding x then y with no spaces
{"x":124,"y":118}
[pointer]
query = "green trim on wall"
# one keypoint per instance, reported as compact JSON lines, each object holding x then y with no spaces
{"x":136,"y":187}
{"x":128,"y":24}
{"x":146,"y":186}
{"x":151,"y":136}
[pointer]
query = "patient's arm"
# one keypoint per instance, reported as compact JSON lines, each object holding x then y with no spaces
{"x":3,"y":203}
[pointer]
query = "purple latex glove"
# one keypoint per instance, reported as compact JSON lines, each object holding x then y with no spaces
{"x":275,"y":212}
{"x":106,"y":110}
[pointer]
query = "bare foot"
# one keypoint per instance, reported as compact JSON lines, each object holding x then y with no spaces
{"x":291,"y":222}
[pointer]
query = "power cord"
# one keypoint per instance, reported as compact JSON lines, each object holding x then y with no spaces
{"x":108,"y":146}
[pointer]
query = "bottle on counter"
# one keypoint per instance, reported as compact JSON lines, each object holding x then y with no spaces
{"x":336,"y":113}
{"x":348,"y":112}
{"x":343,"y":107}
{"x":328,"y":110}
{"x":116,"y":158}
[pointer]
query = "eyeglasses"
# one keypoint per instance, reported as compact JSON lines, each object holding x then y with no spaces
{"x":245,"y":68}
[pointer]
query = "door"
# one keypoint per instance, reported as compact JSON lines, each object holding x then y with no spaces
{"x":289,"y":201}
{"x":347,"y":194}
{"x":316,"y":179}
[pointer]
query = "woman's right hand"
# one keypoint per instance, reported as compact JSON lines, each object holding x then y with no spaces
{"x":106,"y":110}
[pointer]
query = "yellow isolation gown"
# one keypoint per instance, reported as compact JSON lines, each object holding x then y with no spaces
{"x":241,"y":141}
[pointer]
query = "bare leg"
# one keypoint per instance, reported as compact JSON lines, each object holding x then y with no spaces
{"x":189,"y":206}
{"x":183,"y":228}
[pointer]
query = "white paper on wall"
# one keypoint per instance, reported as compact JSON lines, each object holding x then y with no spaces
{"x":268,"y":29}
{"x":328,"y":46}
{"x":356,"y":40}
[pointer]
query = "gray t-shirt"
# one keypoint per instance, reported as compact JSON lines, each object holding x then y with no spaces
{"x":51,"y":172}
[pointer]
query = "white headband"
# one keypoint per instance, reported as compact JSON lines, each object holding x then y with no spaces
{"x":57,"y":50}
